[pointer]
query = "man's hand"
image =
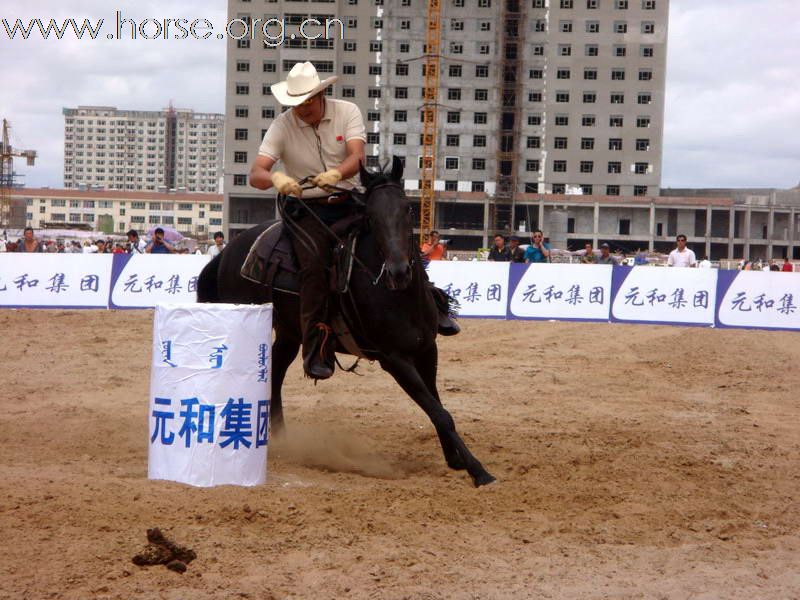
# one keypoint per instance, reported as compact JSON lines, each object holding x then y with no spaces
{"x":328,"y":178}
{"x":286,"y":185}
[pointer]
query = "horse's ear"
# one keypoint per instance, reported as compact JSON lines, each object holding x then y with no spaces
{"x":397,"y":169}
{"x":365,"y":175}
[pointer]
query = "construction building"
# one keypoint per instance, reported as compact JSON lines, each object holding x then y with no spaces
{"x":535,"y":97}
{"x":155,"y":151}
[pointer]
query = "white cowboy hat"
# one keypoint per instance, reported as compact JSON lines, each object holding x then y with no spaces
{"x":302,"y":83}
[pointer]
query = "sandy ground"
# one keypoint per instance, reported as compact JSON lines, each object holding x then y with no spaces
{"x":632,"y":462}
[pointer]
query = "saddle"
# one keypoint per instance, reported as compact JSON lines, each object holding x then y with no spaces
{"x":271,"y":261}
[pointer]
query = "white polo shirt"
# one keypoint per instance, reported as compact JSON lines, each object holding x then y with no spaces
{"x":681,"y":259}
{"x":307,"y":151}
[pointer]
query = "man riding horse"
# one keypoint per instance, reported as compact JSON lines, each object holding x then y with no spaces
{"x":325,"y":137}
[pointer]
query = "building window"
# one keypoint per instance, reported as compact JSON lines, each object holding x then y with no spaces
{"x":586,"y":190}
{"x":620,"y":27}
{"x":588,"y":120}
{"x":374,"y":93}
{"x":531,"y":188}
{"x":479,"y":141}
{"x":451,"y":162}
{"x":564,"y":50}
{"x":348,"y":92}
{"x":373,"y":115}
{"x":560,"y":166}
{"x":349,"y":69}
{"x":239,"y":180}
{"x":480,"y":118}
{"x":481,"y":71}
{"x":375,"y":70}
{"x":240,"y":157}
{"x":373,"y":137}
{"x":481,"y":95}
{"x":535,"y":97}
{"x":400,"y":116}
{"x":615,"y":144}
{"x":560,"y":143}
{"x":399,"y":139}
{"x":566,"y":3}
{"x":642,"y":145}
{"x":562,"y":96}
{"x":640,"y":190}
{"x":592,"y":4}
{"x":240,"y":135}
{"x":621,"y":4}
{"x":591,"y":50}
{"x":645,"y":75}
{"x":562,"y":120}
{"x":587,"y":143}
{"x":619,"y":51}
{"x":648,"y":27}
{"x":479,"y":164}
{"x":565,"y":26}
{"x":562,"y":74}
{"x":559,"y":188}
{"x":242,"y":112}
{"x":587,"y":166}
{"x":646,"y":51}
{"x":589,"y":97}
{"x":644,"y":98}
{"x":617,"y":74}
{"x":590,"y":74}
{"x":641,"y":168}
{"x":642,"y":121}
{"x":617,"y":98}
{"x":401,"y":93}
{"x":242,"y":89}
{"x":453,"y":117}
{"x":532,"y":165}
{"x":612,"y":190}
{"x":540,"y":26}
{"x":624,"y":227}
{"x":454,"y":94}
{"x":452,"y":140}
{"x":592,"y":26}
{"x":477,"y":186}
{"x":615,"y":121}
{"x":615,"y":167}
{"x":533,"y":141}
{"x":648,"y":4}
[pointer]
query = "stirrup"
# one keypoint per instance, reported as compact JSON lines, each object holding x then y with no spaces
{"x":316,"y":364}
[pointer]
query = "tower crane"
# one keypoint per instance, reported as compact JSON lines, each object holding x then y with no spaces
{"x":429,"y":111}
{"x":7,"y":155}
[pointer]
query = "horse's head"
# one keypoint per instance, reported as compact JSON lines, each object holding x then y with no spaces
{"x":389,"y":214}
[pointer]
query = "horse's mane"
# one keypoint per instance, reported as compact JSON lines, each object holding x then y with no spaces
{"x":376,"y":177}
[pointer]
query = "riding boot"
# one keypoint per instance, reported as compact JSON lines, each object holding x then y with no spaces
{"x":447,"y":325}
{"x":317,"y":352}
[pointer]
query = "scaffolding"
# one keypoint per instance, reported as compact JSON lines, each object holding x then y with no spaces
{"x":11,"y":217}
{"x":429,"y":112}
{"x":501,"y":209}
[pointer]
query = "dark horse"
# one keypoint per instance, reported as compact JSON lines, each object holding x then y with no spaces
{"x":389,"y":308}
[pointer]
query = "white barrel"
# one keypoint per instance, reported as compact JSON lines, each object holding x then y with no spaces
{"x":210,"y":393}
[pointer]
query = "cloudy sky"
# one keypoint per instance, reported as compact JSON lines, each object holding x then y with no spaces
{"x":733,"y":84}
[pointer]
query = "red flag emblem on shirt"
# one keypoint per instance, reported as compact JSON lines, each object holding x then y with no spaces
{"x":339,"y":138}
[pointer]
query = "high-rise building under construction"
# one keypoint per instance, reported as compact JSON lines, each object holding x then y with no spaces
{"x":534,"y":96}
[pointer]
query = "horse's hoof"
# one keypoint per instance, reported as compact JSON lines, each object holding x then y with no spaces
{"x":483,"y":479}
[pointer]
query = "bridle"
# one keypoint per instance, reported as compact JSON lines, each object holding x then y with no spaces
{"x":360,"y":199}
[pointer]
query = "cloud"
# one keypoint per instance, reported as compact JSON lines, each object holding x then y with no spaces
{"x":732,"y":94}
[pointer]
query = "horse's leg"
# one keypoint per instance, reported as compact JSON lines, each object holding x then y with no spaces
{"x":426,"y":364}
{"x":284,"y":351}
{"x":409,"y":378}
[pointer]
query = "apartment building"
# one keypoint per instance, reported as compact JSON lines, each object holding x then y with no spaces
{"x":536,"y":96}
{"x":113,"y":211}
{"x":171,"y":149}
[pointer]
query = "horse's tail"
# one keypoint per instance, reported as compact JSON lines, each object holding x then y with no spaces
{"x":207,"y":290}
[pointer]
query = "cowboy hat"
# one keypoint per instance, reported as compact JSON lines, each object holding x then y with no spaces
{"x":302,"y":83}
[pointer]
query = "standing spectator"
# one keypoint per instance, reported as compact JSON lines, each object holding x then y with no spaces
{"x":219,"y":244}
{"x":101,"y":247}
{"x":517,"y":253}
{"x":158,"y":245}
{"x":2,"y":244}
{"x":28,"y":242}
{"x":681,"y":256}
{"x":500,"y":252}
{"x":434,"y":249}
{"x":588,"y":257}
{"x":118,"y":249}
{"x":539,"y":250}
{"x":704,"y":264}
{"x":135,"y":245}
{"x":787,"y":267}
{"x":605,"y":257}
